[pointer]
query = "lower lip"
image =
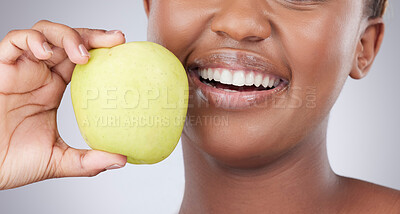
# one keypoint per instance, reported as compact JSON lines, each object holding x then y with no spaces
{"x":233,"y":100}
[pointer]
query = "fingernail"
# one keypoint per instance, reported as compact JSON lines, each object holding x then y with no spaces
{"x":83,"y":51}
{"x":113,"y":32}
{"x":115,"y":166}
{"x":47,"y":48}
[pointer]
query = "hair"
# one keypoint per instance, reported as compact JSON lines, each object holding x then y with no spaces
{"x":376,"y":8}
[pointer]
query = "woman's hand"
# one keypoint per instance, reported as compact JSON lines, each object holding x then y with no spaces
{"x":35,"y":67}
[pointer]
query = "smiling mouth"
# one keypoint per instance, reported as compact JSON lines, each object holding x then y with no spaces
{"x":235,"y":80}
{"x":238,"y":80}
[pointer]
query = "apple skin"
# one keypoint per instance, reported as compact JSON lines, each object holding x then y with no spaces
{"x":132,"y":100}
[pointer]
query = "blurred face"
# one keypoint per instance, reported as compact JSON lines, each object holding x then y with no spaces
{"x":263,"y":74}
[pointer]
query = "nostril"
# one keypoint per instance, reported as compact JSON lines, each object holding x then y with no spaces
{"x":221,"y":33}
{"x":245,"y":38}
{"x":253,"y":39}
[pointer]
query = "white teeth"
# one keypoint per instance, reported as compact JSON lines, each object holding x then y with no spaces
{"x":217,"y":75}
{"x":271,"y":82}
{"x":265,"y":81}
{"x":238,"y":78}
{"x":226,"y":77}
{"x":210,"y":74}
{"x":203,"y":73}
{"x":249,"y":79}
{"x":258,"y":80}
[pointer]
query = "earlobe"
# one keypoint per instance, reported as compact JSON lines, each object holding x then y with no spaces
{"x":146,"y":4}
{"x":367,"y":48}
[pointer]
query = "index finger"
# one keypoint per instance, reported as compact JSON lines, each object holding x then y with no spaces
{"x":64,"y":37}
{"x":97,"y":38}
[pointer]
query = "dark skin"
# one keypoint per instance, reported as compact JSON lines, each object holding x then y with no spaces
{"x":272,"y":160}
{"x":269,"y":158}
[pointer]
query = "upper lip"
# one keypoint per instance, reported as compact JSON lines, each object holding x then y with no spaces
{"x":237,"y":60}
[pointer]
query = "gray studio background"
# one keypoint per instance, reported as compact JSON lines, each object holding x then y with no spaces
{"x":363,"y":140}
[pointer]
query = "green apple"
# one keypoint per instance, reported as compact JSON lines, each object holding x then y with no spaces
{"x":132,"y":100}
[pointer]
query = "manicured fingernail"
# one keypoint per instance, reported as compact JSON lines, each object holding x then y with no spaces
{"x":115,"y":166}
{"x":113,"y":32}
{"x":47,"y":48}
{"x":83,"y":51}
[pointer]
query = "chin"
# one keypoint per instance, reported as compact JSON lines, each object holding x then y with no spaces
{"x":242,"y":142}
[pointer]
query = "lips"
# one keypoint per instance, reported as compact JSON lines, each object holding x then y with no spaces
{"x":235,"y":80}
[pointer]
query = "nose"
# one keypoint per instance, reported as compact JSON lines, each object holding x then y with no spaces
{"x":242,"y":20}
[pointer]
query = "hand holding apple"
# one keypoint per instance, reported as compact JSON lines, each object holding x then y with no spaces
{"x":36,"y":66}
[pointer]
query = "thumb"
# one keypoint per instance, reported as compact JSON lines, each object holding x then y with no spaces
{"x":87,"y":163}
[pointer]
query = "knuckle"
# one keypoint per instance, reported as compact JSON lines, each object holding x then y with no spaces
{"x":73,"y":32}
{"x":88,"y":32}
{"x":91,"y":31}
{"x":82,"y":30}
{"x":41,"y":22}
{"x":34,"y":33}
{"x":12,"y":33}
{"x":27,"y":32}
{"x":69,"y":33}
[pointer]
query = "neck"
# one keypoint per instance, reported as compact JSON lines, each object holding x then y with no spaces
{"x":299,"y":181}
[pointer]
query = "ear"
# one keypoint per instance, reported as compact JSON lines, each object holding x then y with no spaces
{"x":368,"y":47}
{"x":146,"y":4}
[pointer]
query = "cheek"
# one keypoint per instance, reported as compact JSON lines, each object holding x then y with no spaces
{"x":177,"y":24}
{"x":322,"y":61}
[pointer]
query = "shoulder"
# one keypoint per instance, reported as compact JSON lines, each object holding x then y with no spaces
{"x":366,"y":197}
